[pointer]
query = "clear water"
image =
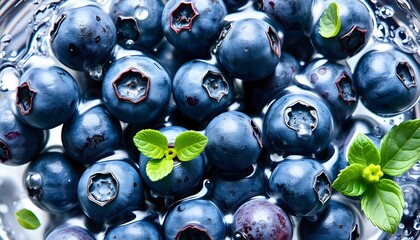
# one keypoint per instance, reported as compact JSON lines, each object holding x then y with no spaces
{"x":24,"y":42}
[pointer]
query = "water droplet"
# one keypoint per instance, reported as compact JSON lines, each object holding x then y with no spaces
{"x":401,"y":225}
{"x":129,"y":44}
{"x":391,"y":122}
{"x":13,"y":53}
{"x":377,"y":131}
{"x":414,"y":172}
{"x":141,"y":13}
{"x":95,"y":72}
{"x":6,"y":39}
{"x":416,"y":224}
{"x":407,"y":232}
{"x":33,"y":181}
{"x":386,"y":12}
{"x":404,"y":40}
{"x":404,"y":5}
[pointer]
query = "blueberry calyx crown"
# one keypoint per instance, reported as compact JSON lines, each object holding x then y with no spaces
{"x":182,"y":17}
{"x":192,"y":231}
{"x":215,"y":84}
{"x":353,"y":40}
{"x":132,"y":86}
{"x":274,"y":41}
{"x":25,"y":96}
{"x":345,"y":88}
{"x":405,"y":74}
{"x":4,"y":152}
{"x":302,"y":118}
{"x":102,"y":188}
{"x":127,"y":30}
{"x":322,"y":187}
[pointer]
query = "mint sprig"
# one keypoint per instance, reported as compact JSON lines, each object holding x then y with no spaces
{"x":27,"y":219}
{"x":153,"y":144}
{"x":381,"y":199}
{"x":330,"y":22}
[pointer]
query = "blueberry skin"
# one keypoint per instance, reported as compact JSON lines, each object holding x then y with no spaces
{"x":334,"y":83}
{"x":83,"y":37}
{"x":249,"y":49}
{"x":91,"y":134}
{"x":201,"y":90}
{"x":387,"y":82}
{"x":51,"y":182}
{"x":197,"y":219}
{"x":134,"y":230}
{"x":121,"y":188}
{"x":46,"y":97}
{"x":263,"y":220}
{"x":185,"y":176}
{"x":136,"y":89}
{"x":301,"y":187}
{"x":137,"y":21}
{"x":68,"y":232}
{"x":259,"y":93}
{"x":193,"y":25}
{"x":337,"y":222}
{"x":298,"y":123}
{"x":292,"y":15}
{"x":231,"y":190}
{"x":234,"y":141}
{"x":19,"y":143}
{"x":355,"y":31}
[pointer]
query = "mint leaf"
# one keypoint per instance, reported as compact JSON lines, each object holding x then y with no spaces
{"x":157,"y":169}
{"x":383,"y":204}
{"x":27,"y":219}
{"x":363,"y":151}
{"x":151,"y":143}
{"x":330,"y":23}
{"x":189,"y":145}
{"x":350,"y":181}
{"x":400,"y":148}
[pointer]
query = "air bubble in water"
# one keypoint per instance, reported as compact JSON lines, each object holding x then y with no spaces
{"x":386,"y":12}
{"x":6,"y":39}
{"x":96,"y":72}
{"x":129,"y":43}
{"x":141,"y":13}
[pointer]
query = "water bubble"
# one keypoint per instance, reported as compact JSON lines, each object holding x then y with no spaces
{"x":381,"y":32}
{"x":129,"y":44}
{"x":404,"y":40}
{"x":96,"y":72}
{"x":377,"y":131}
{"x":416,"y":224}
{"x":414,"y":172}
{"x":386,"y":12}
{"x":6,"y":39}
{"x":13,"y":53}
{"x":141,"y":13}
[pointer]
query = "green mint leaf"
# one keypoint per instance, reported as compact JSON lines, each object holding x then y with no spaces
{"x":363,"y":151}
{"x":151,"y":143}
{"x":189,"y":145}
{"x":383,"y":205}
{"x":330,"y":23}
{"x":400,"y":148}
{"x":27,"y":219}
{"x":350,"y":181}
{"x":157,"y":169}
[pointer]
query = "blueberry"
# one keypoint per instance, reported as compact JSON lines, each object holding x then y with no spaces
{"x":91,"y":134}
{"x":46,"y":97}
{"x":110,"y":190}
{"x":292,"y":15}
{"x":234,"y":141}
{"x":398,"y":71}
{"x":248,"y":49}
{"x":138,"y":23}
{"x":83,"y":37}
{"x":201,"y":90}
{"x":298,"y":123}
{"x":185,"y":176}
{"x":136,"y":89}
{"x":19,"y":143}
{"x":334,"y":82}
{"x":51,"y":181}
{"x":70,"y":232}
{"x":355,"y":31}
{"x":140,"y":229}
{"x":193,"y":25}
{"x":301,"y":187}
{"x":195,"y":219}
{"x":231,"y":190}
{"x":263,"y":220}
{"x":338,"y":222}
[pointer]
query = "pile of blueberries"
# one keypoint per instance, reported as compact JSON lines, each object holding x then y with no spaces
{"x":275,"y":99}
